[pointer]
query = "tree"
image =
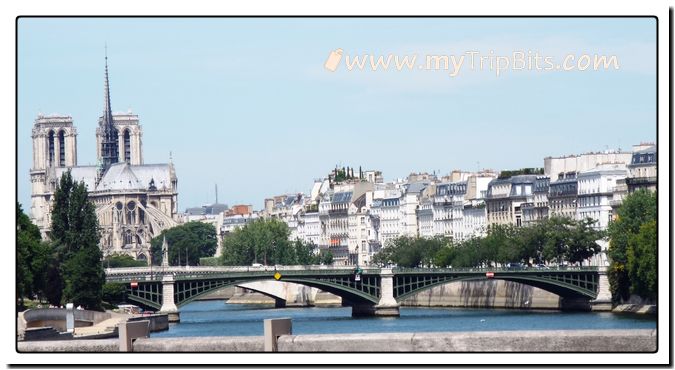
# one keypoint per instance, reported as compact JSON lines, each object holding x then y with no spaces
{"x":27,"y":241}
{"x":114,"y":292}
{"x":503,"y":244}
{"x":42,"y":258}
{"x":641,"y":260}
{"x":637,"y":209}
{"x":187,"y":243}
{"x":304,"y":253}
{"x":406,"y":251}
{"x":445,"y":257}
{"x":532,"y":239}
{"x":325,"y":258}
{"x":261,"y":241}
{"x":34,"y":257}
{"x":75,"y":235}
{"x":122,"y":260}
{"x":558,"y":238}
{"x":583,"y":241}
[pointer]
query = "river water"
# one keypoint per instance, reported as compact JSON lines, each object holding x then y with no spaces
{"x":217,"y":318}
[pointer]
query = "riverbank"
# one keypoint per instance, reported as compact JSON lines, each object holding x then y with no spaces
{"x":633,"y":340}
{"x":49,"y":324}
{"x":469,"y":294}
{"x":642,"y":309}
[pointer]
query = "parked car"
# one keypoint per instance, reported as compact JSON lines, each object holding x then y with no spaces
{"x":541,"y":266}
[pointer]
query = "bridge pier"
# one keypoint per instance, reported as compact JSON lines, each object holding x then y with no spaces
{"x":387,"y":306}
{"x":168,"y":304}
{"x":603,"y":302}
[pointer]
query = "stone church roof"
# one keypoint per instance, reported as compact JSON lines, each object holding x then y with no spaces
{"x":123,"y":176}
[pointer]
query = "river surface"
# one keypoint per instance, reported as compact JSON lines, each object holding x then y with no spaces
{"x":217,"y":318}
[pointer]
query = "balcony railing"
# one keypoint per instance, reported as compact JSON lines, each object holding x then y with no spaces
{"x":640,"y":180}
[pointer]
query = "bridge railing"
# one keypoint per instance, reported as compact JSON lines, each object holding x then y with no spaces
{"x":147,"y":273}
{"x":493,"y":269}
{"x":183,"y":272}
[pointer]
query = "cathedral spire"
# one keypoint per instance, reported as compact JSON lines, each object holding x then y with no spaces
{"x":110,"y":140}
{"x":107,"y":110}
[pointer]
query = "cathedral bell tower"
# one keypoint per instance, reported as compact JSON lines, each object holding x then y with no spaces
{"x":54,"y":145}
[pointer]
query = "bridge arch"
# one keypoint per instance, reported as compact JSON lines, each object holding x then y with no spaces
{"x":582,"y":285}
{"x":149,"y":293}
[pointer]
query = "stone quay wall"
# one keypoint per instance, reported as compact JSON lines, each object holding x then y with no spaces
{"x":56,"y":318}
{"x":488,"y":293}
{"x":633,"y":340}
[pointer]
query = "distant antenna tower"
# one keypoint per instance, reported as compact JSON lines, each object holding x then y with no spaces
{"x":216,"y":193}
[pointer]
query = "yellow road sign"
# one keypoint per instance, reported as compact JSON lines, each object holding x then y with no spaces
{"x":277,"y":275}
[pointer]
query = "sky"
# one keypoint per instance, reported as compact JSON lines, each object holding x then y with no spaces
{"x":247,"y":104}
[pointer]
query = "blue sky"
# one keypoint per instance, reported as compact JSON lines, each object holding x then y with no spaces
{"x":246,"y":102}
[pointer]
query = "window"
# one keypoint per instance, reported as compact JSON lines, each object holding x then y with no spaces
{"x":127,"y":146}
{"x":51,"y":148}
{"x":131,"y":212}
{"x":62,"y":149}
{"x":128,"y":239}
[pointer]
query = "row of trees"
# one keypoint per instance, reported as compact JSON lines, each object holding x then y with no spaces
{"x":67,"y":268}
{"x":556,"y":240}
{"x":187,"y":243}
{"x":266,"y":241}
{"x":34,"y":260}
{"x":633,"y":247}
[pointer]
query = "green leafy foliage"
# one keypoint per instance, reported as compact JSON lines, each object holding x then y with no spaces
{"x":209,"y":261}
{"x":555,"y":239}
{"x":406,"y":251}
{"x":523,"y":171}
{"x":75,"y":236}
{"x":187,"y":243}
{"x":266,"y":241}
{"x":114,"y":292}
{"x":641,"y":262}
{"x":28,"y":242}
{"x":632,"y":247}
{"x":636,"y":209}
{"x":122,"y":260}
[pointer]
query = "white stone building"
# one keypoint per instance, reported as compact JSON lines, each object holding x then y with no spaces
{"x":458,"y":208}
{"x":553,"y":166}
{"x":309,"y":226}
{"x":425,"y":218}
{"x":505,"y":198}
{"x":411,"y":195}
{"x":386,"y":213}
{"x":595,"y":193}
{"x":642,"y":172}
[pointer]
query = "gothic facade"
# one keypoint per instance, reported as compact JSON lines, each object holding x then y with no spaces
{"x":134,"y":201}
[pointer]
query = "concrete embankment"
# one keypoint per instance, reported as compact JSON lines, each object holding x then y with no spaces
{"x":488,"y":293}
{"x":635,"y":340}
{"x":644,"y":309}
{"x":220,"y":294}
{"x":50,"y":324}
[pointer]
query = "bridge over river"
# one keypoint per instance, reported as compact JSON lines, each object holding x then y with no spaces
{"x":369,"y":291}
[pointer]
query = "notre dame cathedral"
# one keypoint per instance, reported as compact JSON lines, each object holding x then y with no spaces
{"x":134,"y":201}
